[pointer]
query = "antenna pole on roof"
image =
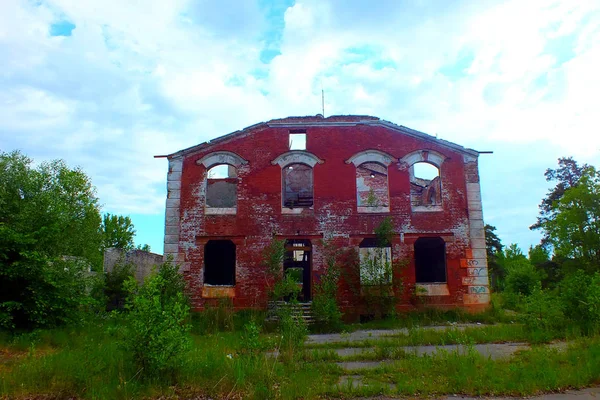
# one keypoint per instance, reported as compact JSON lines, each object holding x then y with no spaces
{"x":322,"y":99}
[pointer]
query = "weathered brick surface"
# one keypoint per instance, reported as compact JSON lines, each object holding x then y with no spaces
{"x":334,"y":214}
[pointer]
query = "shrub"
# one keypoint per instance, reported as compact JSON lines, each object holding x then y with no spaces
{"x":580,"y":295}
{"x":293,"y":330}
{"x":157,"y":334}
{"x":114,"y":289}
{"x":543,"y":312}
{"x":325,"y":306}
{"x":522,"y":278}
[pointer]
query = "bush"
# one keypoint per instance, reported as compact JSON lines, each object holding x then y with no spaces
{"x":523,"y":279}
{"x":157,"y":334}
{"x":325,"y":306}
{"x":293,"y":330}
{"x":114,"y":288}
{"x":544,"y":312}
{"x":580,"y":295}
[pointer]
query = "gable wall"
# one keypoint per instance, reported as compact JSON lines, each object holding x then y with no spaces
{"x":334,"y":215}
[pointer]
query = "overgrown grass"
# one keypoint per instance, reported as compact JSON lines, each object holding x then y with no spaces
{"x":534,"y":371}
{"x":500,"y":333}
{"x":87,"y":362}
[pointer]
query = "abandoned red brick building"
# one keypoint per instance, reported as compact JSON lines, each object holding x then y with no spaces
{"x":306,"y":179}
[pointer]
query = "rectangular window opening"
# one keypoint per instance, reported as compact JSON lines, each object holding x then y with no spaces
{"x":430,"y":260}
{"x":375,"y":263}
{"x":297,"y":141}
{"x":219,"y":263}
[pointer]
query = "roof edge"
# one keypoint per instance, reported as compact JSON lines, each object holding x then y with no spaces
{"x":291,"y":123}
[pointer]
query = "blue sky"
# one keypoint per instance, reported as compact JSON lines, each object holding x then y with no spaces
{"x":106,"y":85}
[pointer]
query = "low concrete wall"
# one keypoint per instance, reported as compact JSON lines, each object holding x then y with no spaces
{"x":143,"y":261}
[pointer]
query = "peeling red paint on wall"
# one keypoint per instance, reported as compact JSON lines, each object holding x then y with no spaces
{"x":334,"y":213}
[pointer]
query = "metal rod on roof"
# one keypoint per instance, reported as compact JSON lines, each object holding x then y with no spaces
{"x":322,"y":99}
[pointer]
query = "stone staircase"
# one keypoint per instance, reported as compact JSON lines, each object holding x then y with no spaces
{"x":299,"y":310}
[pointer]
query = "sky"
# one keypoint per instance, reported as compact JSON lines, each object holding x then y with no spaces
{"x":106,"y":85}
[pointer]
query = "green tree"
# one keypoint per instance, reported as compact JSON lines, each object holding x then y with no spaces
{"x":117,"y":231}
{"x":574,"y":227}
{"x":494,"y":246}
{"x":566,"y":176}
{"x":521,"y":276}
{"x":49,"y":237}
{"x":548,"y":269}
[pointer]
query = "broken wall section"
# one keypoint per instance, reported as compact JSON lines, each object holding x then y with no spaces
{"x":144,"y":262}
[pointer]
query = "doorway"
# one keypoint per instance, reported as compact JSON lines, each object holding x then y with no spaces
{"x":297,"y":263}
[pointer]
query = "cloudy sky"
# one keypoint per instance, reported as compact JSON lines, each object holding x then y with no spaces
{"x":108,"y":84}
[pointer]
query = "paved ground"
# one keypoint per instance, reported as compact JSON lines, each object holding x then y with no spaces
{"x":584,"y":394}
{"x":374,"y":334}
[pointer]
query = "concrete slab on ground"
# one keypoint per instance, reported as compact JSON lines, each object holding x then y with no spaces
{"x":583,"y":394}
{"x":493,"y":350}
{"x":374,"y":334}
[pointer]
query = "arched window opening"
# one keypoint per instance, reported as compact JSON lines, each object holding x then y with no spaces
{"x":221,"y":186}
{"x":372,"y":185}
{"x":219,"y":263}
{"x":297,"y":186}
{"x":425,"y":185}
{"x":430,"y":260}
{"x":375,"y":263}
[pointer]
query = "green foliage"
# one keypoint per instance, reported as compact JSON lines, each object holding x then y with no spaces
{"x":144,"y":247}
{"x":114,"y":287}
{"x":573,"y":230}
{"x":521,"y":276}
{"x":117,"y":231}
{"x":273,"y":256}
{"x":157,"y":334}
{"x":580,"y":295}
{"x":251,"y":341}
{"x":293,"y":330}
{"x":543,"y":313}
{"x":377,"y":273}
{"x":566,"y":176}
{"x":384,"y":232}
{"x":325,"y":305}
{"x":494,"y":248}
{"x":49,"y":238}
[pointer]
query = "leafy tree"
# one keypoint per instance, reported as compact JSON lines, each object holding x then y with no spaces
{"x":548,"y":269}
{"x":567,"y":176}
{"x":574,"y":227}
{"x":49,"y":237}
{"x":494,"y":246}
{"x":521,"y":277}
{"x":117,"y":231}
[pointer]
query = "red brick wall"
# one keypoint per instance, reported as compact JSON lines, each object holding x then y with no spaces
{"x":334,"y":214}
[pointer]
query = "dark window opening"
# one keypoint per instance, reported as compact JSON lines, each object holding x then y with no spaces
{"x":297,"y":186}
{"x":219,"y":263}
{"x":221,"y":186}
{"x":296,"y":264}
{"x":430,"y":260}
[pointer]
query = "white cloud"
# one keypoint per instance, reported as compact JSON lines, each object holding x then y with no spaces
{"x":150,"y":77}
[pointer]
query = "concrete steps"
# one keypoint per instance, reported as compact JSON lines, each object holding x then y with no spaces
{"x":298,"y":310}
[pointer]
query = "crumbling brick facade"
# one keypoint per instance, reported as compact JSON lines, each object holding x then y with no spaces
{"x":353,"y":172}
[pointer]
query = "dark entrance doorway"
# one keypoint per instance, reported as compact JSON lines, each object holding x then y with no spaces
{"x":297,"y":263}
